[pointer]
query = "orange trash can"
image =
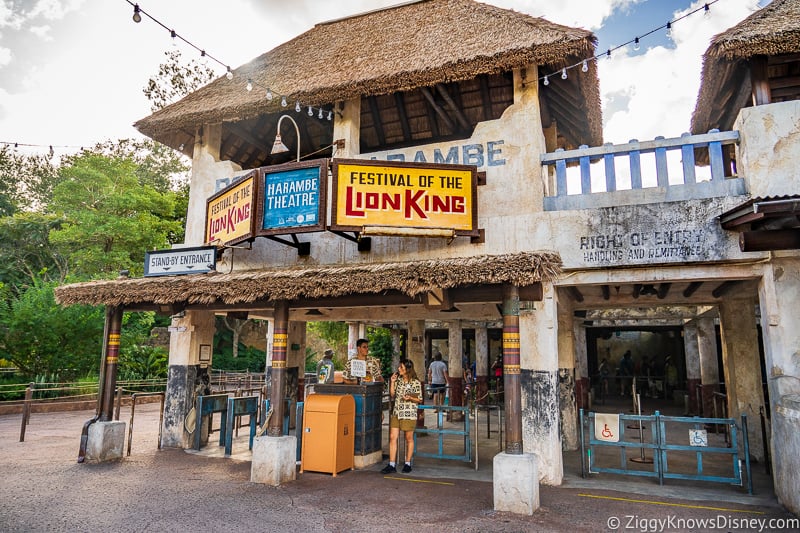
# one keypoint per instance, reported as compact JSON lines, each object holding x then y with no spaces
{"x":328,"y":433}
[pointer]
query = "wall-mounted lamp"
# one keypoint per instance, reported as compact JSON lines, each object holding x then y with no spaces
{"x":278,"y":147}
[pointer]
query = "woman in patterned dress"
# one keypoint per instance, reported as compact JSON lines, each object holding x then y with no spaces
{"x":405,"y":390}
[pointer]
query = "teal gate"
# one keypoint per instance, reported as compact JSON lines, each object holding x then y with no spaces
{"x":667,"y":436}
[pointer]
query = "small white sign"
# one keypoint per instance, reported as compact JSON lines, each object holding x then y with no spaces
{"x":698,"y":437}
{"x":198,"y":260}
{"x":358,"y":368}
{"x":606,"y":427}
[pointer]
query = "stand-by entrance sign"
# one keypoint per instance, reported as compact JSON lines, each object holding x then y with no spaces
{"x":180,"y":261}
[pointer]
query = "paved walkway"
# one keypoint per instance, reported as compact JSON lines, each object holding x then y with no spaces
{"x":43,"y":488}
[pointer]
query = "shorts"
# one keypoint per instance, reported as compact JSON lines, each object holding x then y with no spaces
{"x":437,"y":387}
{"x":403,"y":425}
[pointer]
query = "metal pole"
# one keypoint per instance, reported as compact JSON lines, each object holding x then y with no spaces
{"x":279,"y":345}
{"x":26,"y":411}
{"x":511,"y":370}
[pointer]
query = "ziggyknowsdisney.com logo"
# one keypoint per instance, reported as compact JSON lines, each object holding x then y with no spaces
{"x":722,"y":522}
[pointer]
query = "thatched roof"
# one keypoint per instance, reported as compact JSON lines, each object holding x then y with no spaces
{"x":242,"y":287}
{"x":412,"y":45}
{"x":771,"y":31}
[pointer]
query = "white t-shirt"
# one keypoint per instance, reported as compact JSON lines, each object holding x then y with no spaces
{"x":438,"y":373}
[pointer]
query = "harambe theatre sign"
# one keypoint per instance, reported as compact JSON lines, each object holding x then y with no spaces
{"x":404,"y":195}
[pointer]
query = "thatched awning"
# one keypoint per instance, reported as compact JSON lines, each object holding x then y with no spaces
{"x":243,"y":287}
{"x":417,"y":44}
{"x":771,"y":31}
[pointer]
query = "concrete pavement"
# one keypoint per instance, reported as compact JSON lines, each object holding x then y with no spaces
{"x":43,"y":488}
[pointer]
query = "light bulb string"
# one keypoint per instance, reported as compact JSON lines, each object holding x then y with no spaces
{"x":229,"y":72}
{"x":705,"y":7}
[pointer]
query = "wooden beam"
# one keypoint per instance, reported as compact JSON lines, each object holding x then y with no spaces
{"x":759,"y":80}
{"x":486,"y":98}
{"x":692,"y":288}
{"x":400,"y":102}
{"x":724,"y":288}
{"x":663,"y":290}
{"x":765,"y":240}
{"x":637,"y":289}
{"x":439,"y":111}
{"x":460,"y":118}
{"x":377,"y":123}
{"x":606,"y":292}
{"x":575,"y":294}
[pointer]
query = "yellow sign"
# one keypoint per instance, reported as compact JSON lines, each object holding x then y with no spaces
{"x":229,"y":213}
{"x":381,"y":193}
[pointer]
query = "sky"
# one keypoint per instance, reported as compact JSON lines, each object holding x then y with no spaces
{"x":72,"y":71}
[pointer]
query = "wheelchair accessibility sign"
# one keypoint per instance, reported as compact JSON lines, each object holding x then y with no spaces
{"x":606,"y":427}
{"x":698,"y":437}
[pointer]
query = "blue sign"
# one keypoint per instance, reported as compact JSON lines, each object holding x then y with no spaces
{"x":291,"y":198}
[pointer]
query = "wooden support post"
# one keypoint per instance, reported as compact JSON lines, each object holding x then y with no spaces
{"x":279,"y":346}
{"x":511,"y":370}
{"x":26,"y":411}
{"x":112,"y":358}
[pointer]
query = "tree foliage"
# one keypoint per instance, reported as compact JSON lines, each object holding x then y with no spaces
{"x":109,"y":218}
{"x":41,"y":337}
{"x":175,"y":80}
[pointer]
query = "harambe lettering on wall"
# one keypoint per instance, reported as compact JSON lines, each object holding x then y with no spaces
{"x":229,"y":213}
{"x":403,"y":195}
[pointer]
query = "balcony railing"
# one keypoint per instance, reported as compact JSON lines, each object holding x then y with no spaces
{"x":683,"y":184}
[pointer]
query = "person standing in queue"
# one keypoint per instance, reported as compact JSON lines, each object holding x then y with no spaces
{"x":373,"y":365}
{"x":437,"y":379}
{"x":405,"y":390}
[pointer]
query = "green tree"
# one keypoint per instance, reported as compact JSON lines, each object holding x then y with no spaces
{"x":26,"y":253}
{"x":109,"y":217}
{"x":26,"y":182}
{"x":42,"y":338}
{"x":175,"y":80}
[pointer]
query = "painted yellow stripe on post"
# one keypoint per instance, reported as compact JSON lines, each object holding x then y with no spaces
{"x":280,"y":339}
{"x":278,"y":364}
{"x":668,"y":504}
{"x":420,"y":480}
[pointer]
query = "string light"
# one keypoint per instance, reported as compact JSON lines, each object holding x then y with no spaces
{"x":203,"y":58}
{"x":269,"y":94}
{"x":297,"y":106}
{"x":564,"y":73}
{"x":137,"y":17}
{"x":284,"y":103}
{"x":636,"y":41}
{"x":320,"y":114}
{"x":229,"y":74}
{"x":310,"y":112}
{"x":249,"y":85}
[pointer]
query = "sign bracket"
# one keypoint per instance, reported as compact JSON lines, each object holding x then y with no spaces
{"x":303,"y":248}
{"x":364,"y":243}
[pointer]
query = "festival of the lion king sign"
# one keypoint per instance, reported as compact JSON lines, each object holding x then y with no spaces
{"x":230,"y":213}
{"x":403,"y":195}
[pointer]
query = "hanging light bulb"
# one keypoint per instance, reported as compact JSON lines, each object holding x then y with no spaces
{"x":203,"y":58}
{"x":229,"y":74}
{"x":636,"y":45}
{"x":310,"y":112}
{"x":546,"y":81}
{"x":669,"y":30}
{"x":706,"y":11}
{"x":330,"y":115}
{"x":284,"y":103}
{"x":52,"y":153}
{"x":137,"y":17}
{"x":608,"y":54}
{"x":297,"y":106}
{"x":269,"y":94}
{"x":249,"y":85}
{"x":564,"y":73}
{"x":174,"y":40}
{"x":585,"y":66}
{"x":320,"y":114}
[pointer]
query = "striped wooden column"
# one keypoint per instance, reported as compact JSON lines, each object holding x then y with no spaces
{"x":114,"y":317}
{"x":511,"y":370}
{"x":280,"y":339}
